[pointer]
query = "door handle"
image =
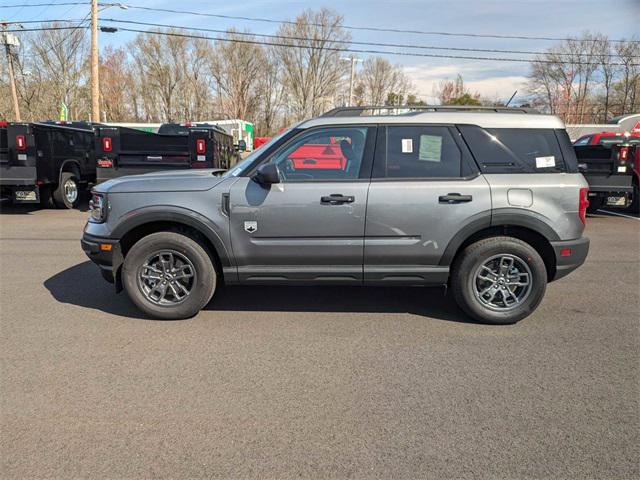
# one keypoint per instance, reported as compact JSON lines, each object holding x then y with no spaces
{"x":451,"y":198}
{"x":337,"y":199}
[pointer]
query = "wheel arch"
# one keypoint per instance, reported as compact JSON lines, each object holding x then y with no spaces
{"x":70,"y":166}
{"x":527,"y":229}
{"x":166,"y":218}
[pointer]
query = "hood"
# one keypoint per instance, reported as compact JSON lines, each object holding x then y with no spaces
{"x":166,"y":181}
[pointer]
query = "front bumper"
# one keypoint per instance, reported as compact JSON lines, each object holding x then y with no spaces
{"x":109,"y":260}
{"x":570,"y":254}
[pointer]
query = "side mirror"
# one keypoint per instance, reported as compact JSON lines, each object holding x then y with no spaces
{"x":242,"y":146}
{"x":266,"y":174}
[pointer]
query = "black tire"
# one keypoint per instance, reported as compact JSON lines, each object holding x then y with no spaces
{"x":201,"y":290}
{"x":595,"y":204}
{"x":468,"y":263}
{"x":635,"y":203}
{"x":46,"y":199}
{"x":60,"y":197}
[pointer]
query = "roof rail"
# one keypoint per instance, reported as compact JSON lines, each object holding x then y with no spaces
{"x":413,"y":109}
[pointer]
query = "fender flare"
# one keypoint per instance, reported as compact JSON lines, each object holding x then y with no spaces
{"x":503,"y":217}
{"x":64,"y":164}
{"x":170,"y":213}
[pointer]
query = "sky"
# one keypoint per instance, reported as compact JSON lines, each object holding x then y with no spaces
{"x":493,"y":79}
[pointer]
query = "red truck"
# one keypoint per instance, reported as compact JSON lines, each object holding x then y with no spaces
{"x":625,"y":147}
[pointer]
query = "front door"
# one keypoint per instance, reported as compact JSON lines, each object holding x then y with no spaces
{"x":424,"y":190}
{"x":310,"y":226}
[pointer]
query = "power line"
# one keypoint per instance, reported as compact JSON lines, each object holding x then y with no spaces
{"x":353,"y":27}
{"x":352,"y":50}
{"x":26,"y":5}
{"x":347,"y":27}
{"x":43,"y":29}
{"x":354,"y":42}
{"x":336,"y":49}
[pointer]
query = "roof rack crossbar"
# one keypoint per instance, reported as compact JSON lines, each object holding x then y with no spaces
{"x":413,"y":109}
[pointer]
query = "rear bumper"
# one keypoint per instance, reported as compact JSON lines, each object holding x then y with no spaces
{"x":609,"y":183}
{"x":570,"y":254}
{"x":109,"y":261}
{"x":10,"y":175}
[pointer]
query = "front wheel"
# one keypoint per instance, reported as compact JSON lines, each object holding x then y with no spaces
{"x":169,"y":276}
{"x":499,"y":280}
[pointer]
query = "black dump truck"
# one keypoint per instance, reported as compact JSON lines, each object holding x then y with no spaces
{"x":48,"y":162}
{"x":609,"y":170}
{"x":128,"y":151}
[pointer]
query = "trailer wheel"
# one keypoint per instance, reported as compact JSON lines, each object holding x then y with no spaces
{"x":68,"y":192}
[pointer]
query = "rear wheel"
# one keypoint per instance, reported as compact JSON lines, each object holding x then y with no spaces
{"x":169,"y":276}
{"x":499,"y":280}
{"x":67,"y":194}
{"x":595,"y":204}
{"x":635,"y":203}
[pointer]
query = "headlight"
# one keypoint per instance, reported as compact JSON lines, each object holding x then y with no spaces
{"x":97,"y":208}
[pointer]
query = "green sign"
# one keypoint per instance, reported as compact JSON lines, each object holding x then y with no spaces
{"x":64,"y":112}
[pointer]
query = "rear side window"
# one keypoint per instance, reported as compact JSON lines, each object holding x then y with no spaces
{"x":512,"y":150}
{"x":421,"y":152}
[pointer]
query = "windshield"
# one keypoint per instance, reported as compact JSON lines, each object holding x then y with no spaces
{"x":244,"y":164}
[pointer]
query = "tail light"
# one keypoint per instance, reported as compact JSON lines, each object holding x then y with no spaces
{"x":107,"y":144}
{"x":624,"y":153}
{"x":200,"y":146}
{"x":583,"y":203}
{"x":21,"y":142}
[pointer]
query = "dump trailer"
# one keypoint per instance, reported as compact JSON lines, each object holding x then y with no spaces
{"x":126,"y":151}
{"x":47,"y":162}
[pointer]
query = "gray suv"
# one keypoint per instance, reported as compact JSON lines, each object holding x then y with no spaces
{"x":488,"y":202}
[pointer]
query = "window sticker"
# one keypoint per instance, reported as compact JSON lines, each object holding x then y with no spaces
{"x":430,"y":148}
{"x":545,"y":162}
{"x":407,"y":145}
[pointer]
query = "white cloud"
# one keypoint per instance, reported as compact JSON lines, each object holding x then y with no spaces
{"x":487,"y":81}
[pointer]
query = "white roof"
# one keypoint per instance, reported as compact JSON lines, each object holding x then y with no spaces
{"x":481,"y":119}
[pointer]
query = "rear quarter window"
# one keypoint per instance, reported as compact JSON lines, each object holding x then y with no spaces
{"x":513,"y":150}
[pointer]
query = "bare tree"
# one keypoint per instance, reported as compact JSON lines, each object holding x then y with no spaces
{"x":377,"y":80}
{"x":271,"y":94}
{"x":312,"y":68}
{"x":237,"y":67}
{"x":455,"y":92}
{"x":160,"y":66}
{"x":116,"y":86}
{"x":629,"y":53}
{"x":582,"y":80}
{"x":608,"y":71}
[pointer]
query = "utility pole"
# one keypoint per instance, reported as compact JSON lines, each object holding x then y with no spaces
{"x":95,"y":81}
{"x":353,"y":59}
{"x":8,"y":41}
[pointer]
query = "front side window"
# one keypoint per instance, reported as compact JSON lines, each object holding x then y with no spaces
{"x":583,"y":141}
{"x":421,"y":152}
{"x":329,"y":154}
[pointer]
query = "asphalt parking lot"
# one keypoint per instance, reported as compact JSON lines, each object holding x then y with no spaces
{"x":313,"y":382}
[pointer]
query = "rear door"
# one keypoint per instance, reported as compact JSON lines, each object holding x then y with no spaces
{"x":424,"y":189}
{"x":310,"y":226}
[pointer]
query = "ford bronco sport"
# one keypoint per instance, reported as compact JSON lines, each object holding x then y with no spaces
{"x":487,"y":201}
